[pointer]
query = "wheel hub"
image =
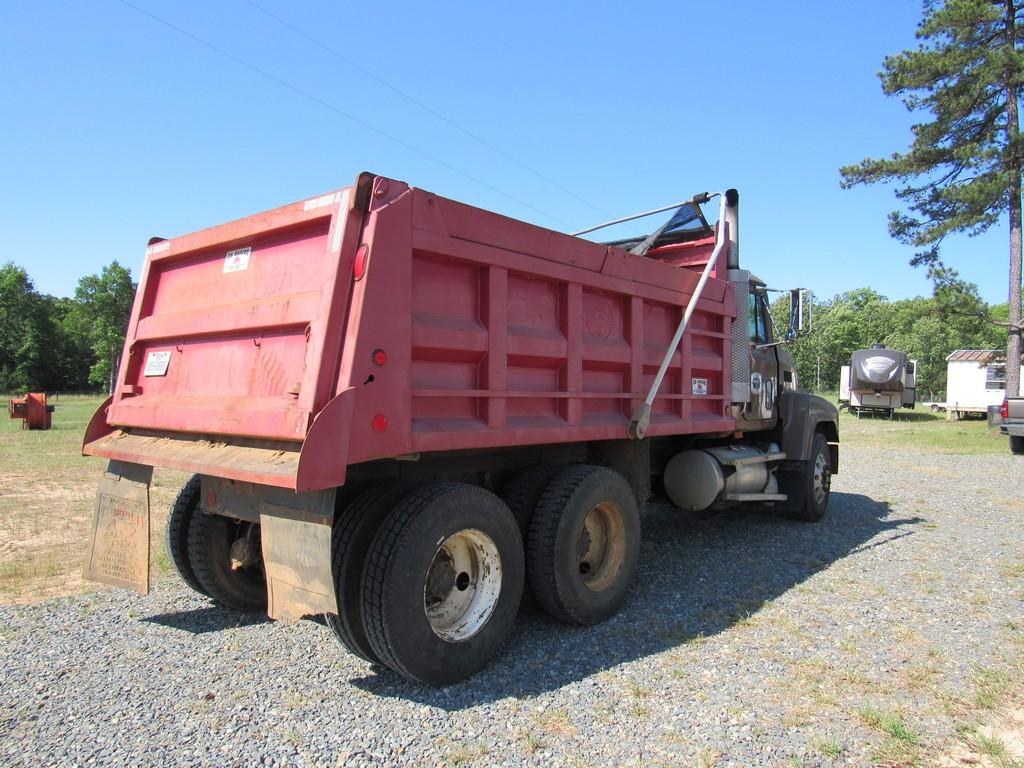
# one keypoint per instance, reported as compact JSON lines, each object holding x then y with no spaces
{"x":440,"y":578}
{"x":601,"y":546}
{"x":822,"y":478}
{"x":462,"y":585}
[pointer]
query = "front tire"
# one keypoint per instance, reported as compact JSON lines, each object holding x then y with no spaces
{"x":584,"y":544}
{"x":442,"y":583}
{"x":817,"y":480}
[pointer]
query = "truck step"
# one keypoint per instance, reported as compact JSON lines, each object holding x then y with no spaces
{"x":755,"y":497}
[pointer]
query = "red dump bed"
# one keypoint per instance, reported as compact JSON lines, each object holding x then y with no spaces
{"x":383,"y":320}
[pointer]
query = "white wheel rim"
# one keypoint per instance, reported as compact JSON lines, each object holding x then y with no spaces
{"x":601,"y":546}
{"x":462,"y":585}
{"x":821,"y":478}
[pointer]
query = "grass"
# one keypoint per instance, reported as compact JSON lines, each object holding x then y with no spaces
{"x":707,"y":757}
{"x":990,"y":687}
{"x":902,"y":746}
{"x":920,"y":430}
{"x":828,"y":747}
{"x":47,"y":492}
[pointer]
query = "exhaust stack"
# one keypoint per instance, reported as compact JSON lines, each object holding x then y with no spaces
{"x":740,"y":279}
{"x":732,"y":218}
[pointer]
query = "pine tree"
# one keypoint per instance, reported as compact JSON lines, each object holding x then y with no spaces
{"x":962,"y":172}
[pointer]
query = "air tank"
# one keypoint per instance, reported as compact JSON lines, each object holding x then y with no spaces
{"x":696,"y":479}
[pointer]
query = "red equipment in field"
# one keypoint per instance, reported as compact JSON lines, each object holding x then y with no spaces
{"x":32,"y":410}
{"x":383,"y":320}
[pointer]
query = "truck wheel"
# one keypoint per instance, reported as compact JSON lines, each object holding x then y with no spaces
{"x":442,"y":583}
{"x":583,"y":545}
{"x":178,"y":520}
{"x":1017,"y":444}
{"x":817,"y":479}
{"x":211,"y":541}
{"x":522,"y":495}
{"x":354,"y":528}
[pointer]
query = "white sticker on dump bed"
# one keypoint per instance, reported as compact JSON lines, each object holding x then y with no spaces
{"x":163,"y":245}
{"x":156,"y":363}
{"x":699,"y":386}
{"x":320,"y":202}
{"x":236,"y":261}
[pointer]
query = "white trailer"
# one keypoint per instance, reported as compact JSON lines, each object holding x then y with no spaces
{"x":975,"y":380}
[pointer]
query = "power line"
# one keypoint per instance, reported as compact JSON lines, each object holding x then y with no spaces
{"x":348,"y":116}
{"x":426,"y":108}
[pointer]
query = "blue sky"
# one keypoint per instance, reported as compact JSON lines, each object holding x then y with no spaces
{"x":116,"y":127}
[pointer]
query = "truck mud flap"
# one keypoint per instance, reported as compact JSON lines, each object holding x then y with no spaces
{"x":118,"y":552}
{"x":297,"y":559}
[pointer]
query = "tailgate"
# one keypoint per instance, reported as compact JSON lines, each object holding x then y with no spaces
{"x":236,"y":330}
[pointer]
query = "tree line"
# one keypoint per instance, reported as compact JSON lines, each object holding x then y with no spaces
{"x":961,"y":173}
{"x":927,"y":329}
{"x":50,"y":343}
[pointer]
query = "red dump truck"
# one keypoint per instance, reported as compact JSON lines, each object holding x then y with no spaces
{"x":410,"y":414}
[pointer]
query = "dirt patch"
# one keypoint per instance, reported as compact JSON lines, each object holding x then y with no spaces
{"x":47,"y":492}
{"x":998,"y":744}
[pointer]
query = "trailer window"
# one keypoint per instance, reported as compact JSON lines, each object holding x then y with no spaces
{"x":995,"y":376}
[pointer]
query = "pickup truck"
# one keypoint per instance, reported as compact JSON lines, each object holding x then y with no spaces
{"x":1013,"y":423}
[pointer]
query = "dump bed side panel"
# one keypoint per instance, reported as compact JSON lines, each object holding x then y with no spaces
{"x":281,"y":348}
{"x":500,"y":333}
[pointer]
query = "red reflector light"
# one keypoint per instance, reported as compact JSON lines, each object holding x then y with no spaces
{"x":380,"y":357}
{"x":380,"y":423}
{"x":359,"y":265}
{"x":1004,"y":411}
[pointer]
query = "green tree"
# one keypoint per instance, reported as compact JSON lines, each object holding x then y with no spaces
{"x":103,"y":309}
{"x":962,"y":172}
{"x":75,"y":354}
{"x":29,"y":340}
{"x":927,"y":329}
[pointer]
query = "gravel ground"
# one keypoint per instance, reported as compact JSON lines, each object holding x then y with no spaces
{"x":748,"y":640}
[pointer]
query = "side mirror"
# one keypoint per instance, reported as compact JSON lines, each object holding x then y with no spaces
{"x":801,"y":303}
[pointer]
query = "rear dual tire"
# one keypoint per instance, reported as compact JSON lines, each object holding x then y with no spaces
{"x":210,"y":539}
{"x":430,"y":578}
{"x":199,"y":546}
{"x":522,"y":495}
{"x":584,"y":544}
{"x":354,"y":528}
{"x":442,"y":582}
{"x":178,"y":521}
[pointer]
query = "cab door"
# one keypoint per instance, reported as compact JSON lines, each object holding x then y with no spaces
{"x":762,"y":409}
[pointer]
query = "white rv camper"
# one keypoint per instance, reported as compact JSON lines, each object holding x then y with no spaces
{"x":878,"y":380}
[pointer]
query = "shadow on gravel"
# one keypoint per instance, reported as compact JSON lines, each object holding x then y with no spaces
{"x":199,"y":621}
{"x":697,"y":577}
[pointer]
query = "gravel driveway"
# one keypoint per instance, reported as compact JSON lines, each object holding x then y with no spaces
{"x":748,"y":640}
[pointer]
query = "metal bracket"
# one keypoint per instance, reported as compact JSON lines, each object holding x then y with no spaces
{"x":641,"y":418}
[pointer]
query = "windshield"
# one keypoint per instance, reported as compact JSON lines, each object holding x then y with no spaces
{"x":686,"y":223}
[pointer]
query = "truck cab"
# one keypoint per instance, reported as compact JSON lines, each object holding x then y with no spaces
{"x":772,"y":368}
